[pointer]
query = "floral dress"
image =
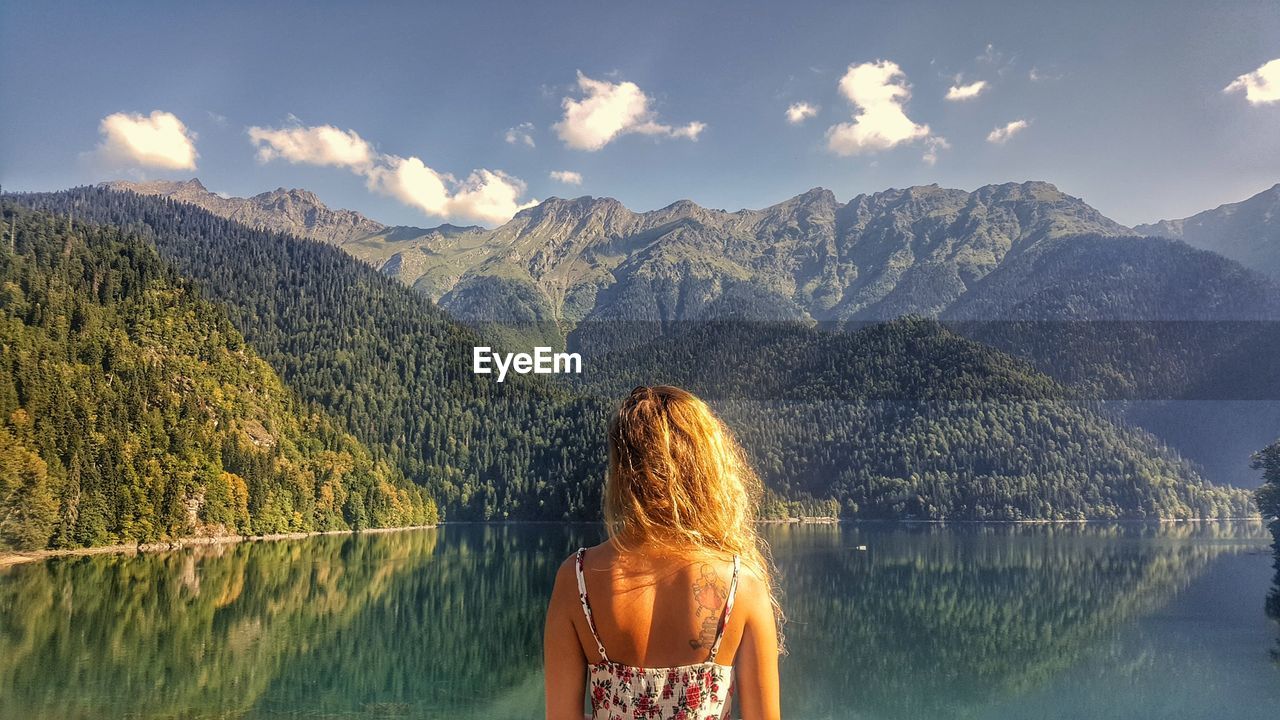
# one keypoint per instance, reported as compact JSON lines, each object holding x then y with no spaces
{"x":687,"y":692}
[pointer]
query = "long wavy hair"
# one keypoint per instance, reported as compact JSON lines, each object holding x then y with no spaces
{"x":678,"y":479}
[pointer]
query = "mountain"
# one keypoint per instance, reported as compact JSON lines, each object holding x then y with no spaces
{"x":380,"y":358}
{"x":921,"y":250}
{"x":907,"y":419}
{"x":298,"y":212}
{"x":1022,"y":267}
{"x":878,"y":256}
{"x":1124,"y":317}
{"x":1246,"y":231}
{"x":132,"y":411}
{"x":1090,"y":277}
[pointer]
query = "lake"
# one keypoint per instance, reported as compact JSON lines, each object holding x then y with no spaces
{"x":930,"y":621}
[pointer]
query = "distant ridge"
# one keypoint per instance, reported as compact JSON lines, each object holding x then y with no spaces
{"x":1247,"y":231}
{"x":295,"y":211}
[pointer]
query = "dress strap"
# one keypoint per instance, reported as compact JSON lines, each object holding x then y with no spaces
{"x":728,"y":608}
{"x":586,"y":606}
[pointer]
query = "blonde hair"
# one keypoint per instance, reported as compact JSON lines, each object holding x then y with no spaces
{"x":678,"y":479}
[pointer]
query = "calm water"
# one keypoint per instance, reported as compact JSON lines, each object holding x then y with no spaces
{"x":973,"y":622}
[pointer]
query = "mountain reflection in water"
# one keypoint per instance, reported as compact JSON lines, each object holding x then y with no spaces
{"x":928,"y":620}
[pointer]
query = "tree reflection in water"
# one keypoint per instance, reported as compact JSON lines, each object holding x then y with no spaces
{"x":447,"y":623}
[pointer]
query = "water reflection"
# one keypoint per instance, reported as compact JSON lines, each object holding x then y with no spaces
{"x":447,"y":623}
{"x":1273,"y":597}
{"x":936,"y":620}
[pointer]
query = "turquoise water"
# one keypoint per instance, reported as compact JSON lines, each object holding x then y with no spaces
{"x":972,"y":621}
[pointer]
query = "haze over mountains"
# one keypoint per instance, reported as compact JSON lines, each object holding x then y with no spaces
{"x":1247,"y":232}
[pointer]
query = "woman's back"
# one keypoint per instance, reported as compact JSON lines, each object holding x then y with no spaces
{"x":658,"y":610}
{"x":660,"y":621}
{"x":638,"y":603}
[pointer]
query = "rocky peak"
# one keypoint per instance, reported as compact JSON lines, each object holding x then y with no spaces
{"x":571,"y":207}
{"x":1031,"y":190}
{"x":295,"y":194}
{"x":558,"y":217}
{"x":811,"y":199}
{"x":169,"y":188}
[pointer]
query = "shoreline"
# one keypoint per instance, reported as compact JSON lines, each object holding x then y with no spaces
{"x":9,"y":559}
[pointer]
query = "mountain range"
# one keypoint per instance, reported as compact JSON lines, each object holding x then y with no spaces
{"x":921,"y":250}
{"x":901,"y":419}
{"x":1023,"y":267}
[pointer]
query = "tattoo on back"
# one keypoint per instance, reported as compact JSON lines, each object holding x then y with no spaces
{"x":709,"y":595}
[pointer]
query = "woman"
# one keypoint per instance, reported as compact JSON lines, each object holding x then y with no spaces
{"x":677,"y":604}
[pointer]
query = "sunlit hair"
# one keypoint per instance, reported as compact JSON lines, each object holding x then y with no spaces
{"x":678,"y":480}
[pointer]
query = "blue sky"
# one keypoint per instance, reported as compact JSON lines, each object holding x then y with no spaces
{"x":1123,"y":104}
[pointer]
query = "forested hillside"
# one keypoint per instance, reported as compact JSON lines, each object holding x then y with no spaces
{"x":382,"y":359}
{"x":907,"y":419}
{"x":900,"y":420}
{"x":132,"y":410}
{"x":294,"y":211}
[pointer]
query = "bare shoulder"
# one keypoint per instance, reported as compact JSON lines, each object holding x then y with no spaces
{"x":753,"y":592}
{"x":567,"y":574}
{"x":566,"y":571}
{"x":566,"y":582}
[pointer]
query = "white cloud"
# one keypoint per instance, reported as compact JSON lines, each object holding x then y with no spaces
{"x":489,"y":196}
{"x":486,"y":195}
{"x":521,"y":134}
{"x":1001,"y":135}
{"x":568,"y":177}
{"x":799,"y":112}
{"x":966,"y":92}
{"x":318,"y":145}
{"x":411,"y":182}
{"x":1262,"y":86}
{"x":690,"y":131}
{"x":878,"y":90}
{"x":158,"y":140}
{"x":931,"y":148}
{"x":609,"y":110}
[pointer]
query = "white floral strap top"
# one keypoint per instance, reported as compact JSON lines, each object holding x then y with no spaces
{"x":686,"y":692}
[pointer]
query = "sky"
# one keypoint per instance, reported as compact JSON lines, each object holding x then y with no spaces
{"x":417,"y":114}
